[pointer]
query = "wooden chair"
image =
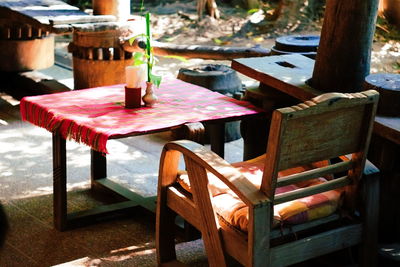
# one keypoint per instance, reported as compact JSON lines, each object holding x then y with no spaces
{"x":327,"y":127}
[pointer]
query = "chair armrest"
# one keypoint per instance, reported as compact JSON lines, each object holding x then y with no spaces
{"x":249,"y":193}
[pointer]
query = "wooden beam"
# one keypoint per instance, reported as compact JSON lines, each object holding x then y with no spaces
{"x":198,"y":51}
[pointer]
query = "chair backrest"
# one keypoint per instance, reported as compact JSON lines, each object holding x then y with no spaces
{"x":328,"y":126}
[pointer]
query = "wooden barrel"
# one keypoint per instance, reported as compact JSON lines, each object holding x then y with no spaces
{"x":217,"y":78}
{"x":25,"y":48}
{"x":388,"y":86}
{"x":98,"y":56}
{"x":306,"y":45}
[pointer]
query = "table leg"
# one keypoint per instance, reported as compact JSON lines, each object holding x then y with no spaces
{"x":59,"y":182}
{"x":255,"y":135}
{"x":217,"y":138}
{"x":64,"y":221}
{"x":98,"y":165}
{"x":195,"y":131}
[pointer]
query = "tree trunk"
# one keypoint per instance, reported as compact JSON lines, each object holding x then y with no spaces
{"x":121,"y":9}
{"x":252,"y":4}
{"x":210,"y":6}
{"x":344,"y":53}
{"x":292,"y":15}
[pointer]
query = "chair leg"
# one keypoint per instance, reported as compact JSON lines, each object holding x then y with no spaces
{"x":215,"y":254}
{"x":369,"y":246}
{"x":165,"y":234}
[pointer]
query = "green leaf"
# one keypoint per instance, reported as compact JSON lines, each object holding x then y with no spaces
{"x":177,"y":57}
{"x":217,"y":41}
{"x":156,"y":80}
{"x":169,"y":39}
{"x":251,"y":11}
{"x":138,"y":59}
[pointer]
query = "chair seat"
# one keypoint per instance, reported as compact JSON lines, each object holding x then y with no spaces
{"x":233,"y":211}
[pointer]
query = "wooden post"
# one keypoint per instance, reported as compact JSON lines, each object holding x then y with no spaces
{"x":119,"y":8}
{"x":344,"y":53}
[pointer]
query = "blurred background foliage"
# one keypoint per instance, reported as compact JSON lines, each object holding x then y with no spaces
{"x":294,"y":15}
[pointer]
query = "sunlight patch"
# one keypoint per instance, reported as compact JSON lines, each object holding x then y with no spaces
{"x":9,"y":99}
{"x":86,"y":261}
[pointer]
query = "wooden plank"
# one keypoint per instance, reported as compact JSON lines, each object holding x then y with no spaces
{"x":298,"y":177}
{"x":183,"y":206}
{"x":78,"y":19}
{"x":293,"y":229}
{"x":67,"y":24}
{"x":388,"y":127}
{"x":339,"y":137}
{"x":305,"y":141}
{"x":46,"y":13}
{"x":146,"y":202}
{"x":100,"y":213}
{"x":287,"y":73}
{"x":312,"y":190}
{"x":198,"y":51}
{"x":316,"y":245}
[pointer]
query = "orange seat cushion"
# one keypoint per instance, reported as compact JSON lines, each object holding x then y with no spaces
{"x":229,"y":206}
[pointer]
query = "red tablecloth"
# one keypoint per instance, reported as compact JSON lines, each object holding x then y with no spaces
{"x":92,"y":116}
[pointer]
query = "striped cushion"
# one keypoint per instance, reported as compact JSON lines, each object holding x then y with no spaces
{"x":234,"y":211}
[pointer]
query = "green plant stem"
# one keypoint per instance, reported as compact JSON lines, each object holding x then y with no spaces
{"x":148,"y":46}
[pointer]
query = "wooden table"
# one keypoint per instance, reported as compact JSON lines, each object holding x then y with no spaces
{"x":289,"y":74}
{"x":92,"y":116}
{"x":49,"y":15}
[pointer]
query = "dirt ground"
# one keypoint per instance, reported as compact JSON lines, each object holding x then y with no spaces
{"x":177,"y":22}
